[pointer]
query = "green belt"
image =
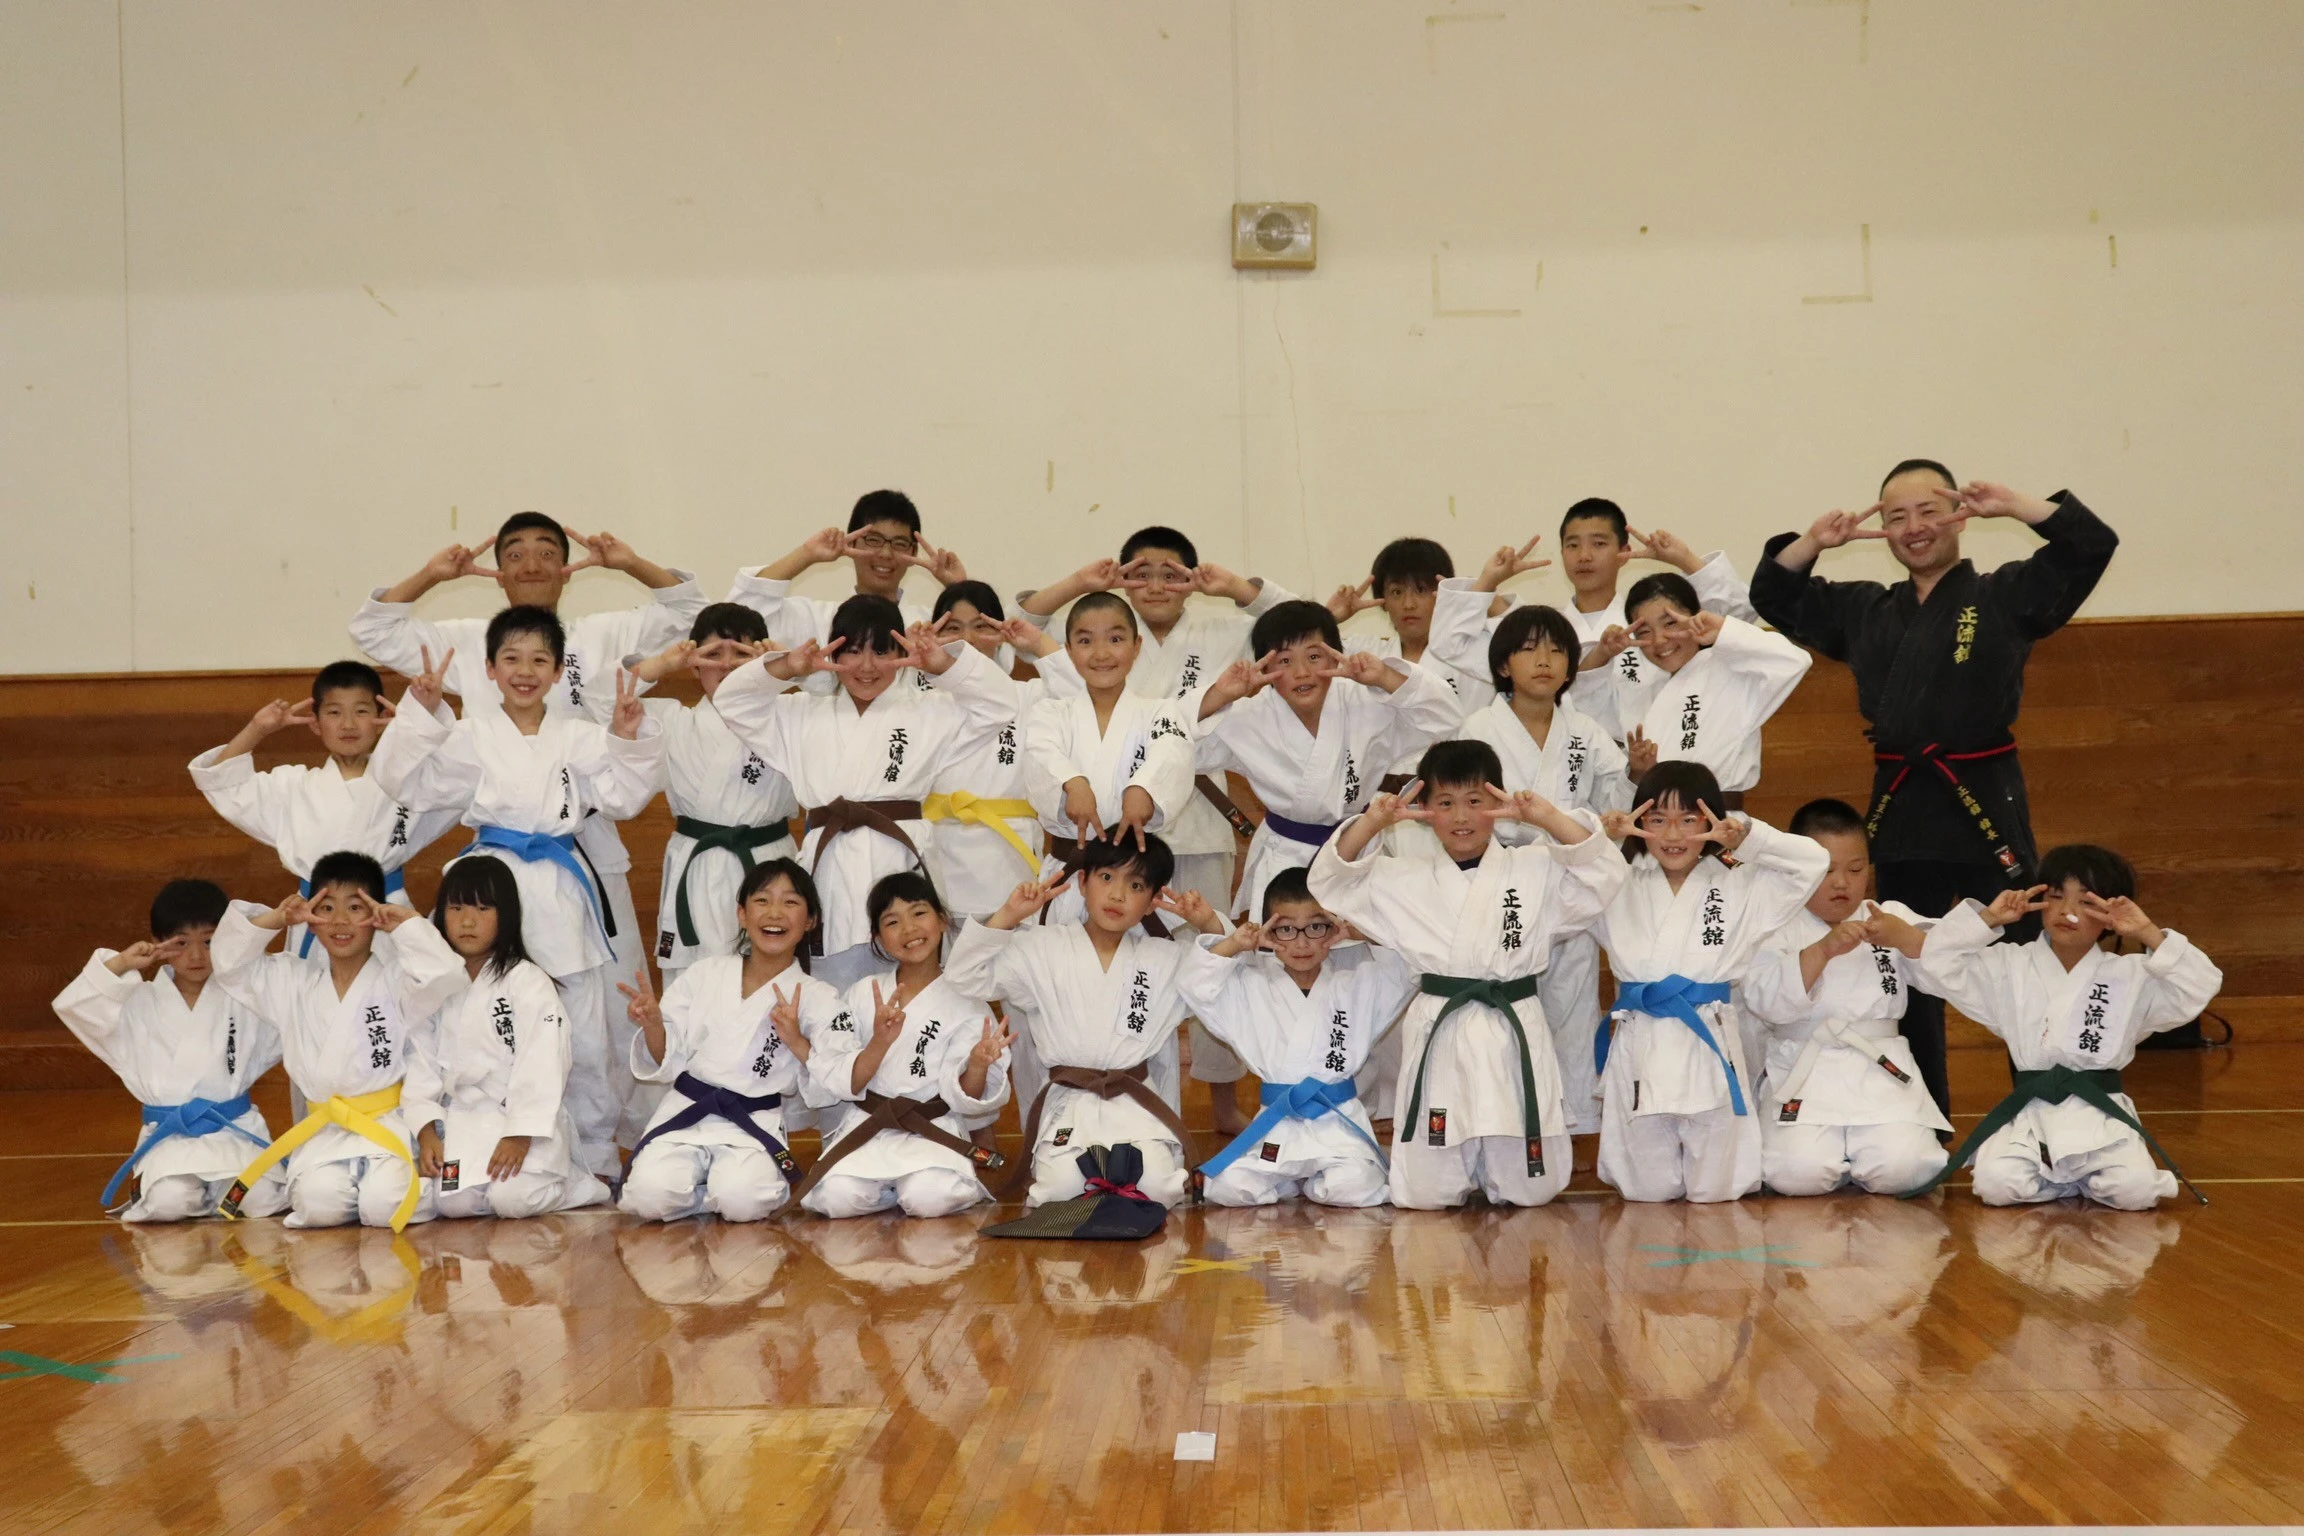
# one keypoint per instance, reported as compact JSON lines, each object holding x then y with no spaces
{"x":2053,"y":1086}
{"x":1499,"y":995}
{"x":707,"y":835}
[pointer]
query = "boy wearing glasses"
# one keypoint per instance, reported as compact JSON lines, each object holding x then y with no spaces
{"x":883,"y":542}
{"x":1304,"y":1020}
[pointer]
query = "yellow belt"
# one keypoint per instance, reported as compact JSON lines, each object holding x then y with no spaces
{"x":357,"y":1115}
{"x":983,"y":811}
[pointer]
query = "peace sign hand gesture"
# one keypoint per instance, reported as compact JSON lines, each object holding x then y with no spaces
{"x":1025,"y":900}
{"x":1349,"y":600}
{"x":990,"y":1046}
{"x":427,"y":686}
{"x":1507,"y":563}
{"x":1836,"y":528}
{"x":942,"y":564}
{"x":2011,"y":905}
{"x":887,"y":1018}
{"x":1385,"y":810}
{"x":1729,"y":834}
{"x":1616,"y":826}
{"x":784,"y":1018}
{"x":630,"y":712}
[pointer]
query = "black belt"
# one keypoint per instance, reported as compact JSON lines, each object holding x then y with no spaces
{"x":1934,"y":756}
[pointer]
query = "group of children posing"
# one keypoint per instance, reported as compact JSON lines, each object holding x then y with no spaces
{"x":1458,"y":819}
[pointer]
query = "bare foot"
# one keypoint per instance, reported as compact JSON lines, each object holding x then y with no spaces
{"x":1231,"y":1120}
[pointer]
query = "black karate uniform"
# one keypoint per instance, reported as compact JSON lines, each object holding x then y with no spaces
{"x":1939,"y":684}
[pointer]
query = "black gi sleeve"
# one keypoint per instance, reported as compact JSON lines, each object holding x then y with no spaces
{"x":2051,"y":584}
{"x":1806,"y":607}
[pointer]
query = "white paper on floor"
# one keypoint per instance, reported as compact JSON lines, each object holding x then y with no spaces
{"x":1196,"y":1445}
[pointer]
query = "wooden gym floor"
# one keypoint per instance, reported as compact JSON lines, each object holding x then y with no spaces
{"x":1839,"y":1361}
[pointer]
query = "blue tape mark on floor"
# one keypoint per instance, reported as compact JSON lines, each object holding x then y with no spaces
{"x":23,"y":1367}
{"x":1767,"y":1255}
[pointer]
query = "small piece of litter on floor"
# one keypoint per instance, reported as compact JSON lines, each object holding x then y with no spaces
{"x":1196,"y":1445}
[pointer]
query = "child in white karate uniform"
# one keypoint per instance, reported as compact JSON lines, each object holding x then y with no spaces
{"x":2072,"y":1015}
{"x":1479,"y":1101}
{"x":1678,"y":1118}
{"x":1303,"y":1015}
{"x":935,"y":1059}
{"x":189,"y":1051}
{"x":1404,"y":582}
{"x":1842,"y":1101}
{"x":1313,"y":730}
{"x":487,"y":1074}
{"x":346,"y":1031}
{"x":732,"y":1036}
{"x":730,"y":810}
{"x":1101,"y":999}
{"x":1547,"y":744}
{"x":1182,"y":650}
{"x":1596,"y":543}
{"x":863,"y":759}
{"x":526,"y":779}
{"x":1713,"y":681}
{"x":304,"y":812}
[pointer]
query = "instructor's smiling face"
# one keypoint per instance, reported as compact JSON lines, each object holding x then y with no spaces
{"x":1919,"y":515}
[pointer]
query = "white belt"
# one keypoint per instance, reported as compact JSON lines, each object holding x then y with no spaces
{"x":1847,"y":1032}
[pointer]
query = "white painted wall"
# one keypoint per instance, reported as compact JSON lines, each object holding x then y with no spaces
{"x":291,"y":295}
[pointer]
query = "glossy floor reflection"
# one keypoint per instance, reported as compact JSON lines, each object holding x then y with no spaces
{"x":1836,"y":1361}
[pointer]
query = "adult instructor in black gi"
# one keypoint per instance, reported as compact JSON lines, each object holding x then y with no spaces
{"x":1939,"y":663}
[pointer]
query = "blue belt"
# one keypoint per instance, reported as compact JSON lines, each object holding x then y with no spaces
{"x":1307,"y":1100}
{"x":193,"y":1117}
{"x":395,"y":884}
{"x":1675,"y":997}
{"x":707,"y":1101}
{"x":544,"y":848}
{"x":1310,"y":833}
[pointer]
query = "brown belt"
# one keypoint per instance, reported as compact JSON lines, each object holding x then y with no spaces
{"x":1393,"y":783}
{"x":885,"y":1112}
{"x":1213,"y":793}
{"x":1111,"y":1083}
{"x":1067,"y":851}
{"x":1731,"y":801}
{"x":846,"y":815}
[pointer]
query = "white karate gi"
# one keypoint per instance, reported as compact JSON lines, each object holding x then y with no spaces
{"x":2091,"y":1017}
{"x":710,"y":775}
{"x":568,"y":775}
{"x":794,"y":617}
{"x":1668,"y":1126}
{"x":166,"y":1053}
{"x":491,"y":1063}
{"x":1083,"y":1014}
{"x":1498,"y":920}
{"x":1461,"y":630}
{"x":716,"y":1033}
{"x":1319,"y":779}
{"x":392,"y":635}
{"x":893,"y":749}
{"x":1830,"y":1112}
{"x":343,"y":1047}
{"x":1712,"y":709}
{"x":1472,"y":687}
{"x":1287,"y":1035}
{"x":305,"y":813}
{"x":897,"y":1170}
{"x":1578,"y":768}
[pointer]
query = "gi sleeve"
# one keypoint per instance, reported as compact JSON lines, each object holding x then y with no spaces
{"x":1167,"y":772}
{"x":1460,"y":627}
{"x":254,"y":803}
{"x":1962,"y":962}
{"x":1608,"y":778}
{"x":1059,"y":678}
{"x":829,"y":1021}
{"x":953,"y":1065}
{"x":430,"y":971}
{"x":540,"y":1058}
{"x":1720,"y":589}
{"x":677,"y":1007}
{"x":1778,"y":871}
{"x":243,"y":968}
{"x":1210,"y":984}
{"x":1767,"y":667}
{"x":425,"y":765}
{"x":1419,"y":712}
{"x":1593,"y":871}
{"x":753,"y":703}
{"x":2179,"y":983}
{"x":987,"y":697}
{"x":93,"y":1005}
{"x":2051,"y":584}
{"x":1048,"y":761}
{"x":984,"y":963}
{"x":1349,"y":887}
{"x":424,"y":1090}
{"x":620,"y":777}
{"x":391,"y":635}
{"x":1773,"y":993}
{"x":1815,"y":612}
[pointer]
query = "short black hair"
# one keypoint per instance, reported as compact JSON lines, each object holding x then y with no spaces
{"x":1097,"y":602}
{"x":528,"y":619}
{"x":1514,"y":632}
{"x":884,"y":507}
{"x":2097,"y":869}
{"x":484,"y":881}
{"x":346,"y":677}
{"x":976,"y":594}
{"x":1154,"y":861}
{"x":729,"y":621}
{"x":521,"y":522}
{"x":184,"y":904}
{"x":1827,"y":815}
{"x":1454,"y":764}
{"x":1602,"y":508}
{"x":347,"y":867}
{"x":1931,"y":465}
{"x":1291,"y":884}
{"x":1676,"y":784}
{"x":868,"y":623}
{"x":1285,"y":624}
{"x":1158,"y":537}
{"x":1671,"y":586}
{"x":803,"y":885}
{"x":1413,"y":562}
{"x":904,"y":885}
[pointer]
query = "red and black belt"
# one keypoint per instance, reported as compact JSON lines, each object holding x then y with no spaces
{"x":1934,"y":756}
